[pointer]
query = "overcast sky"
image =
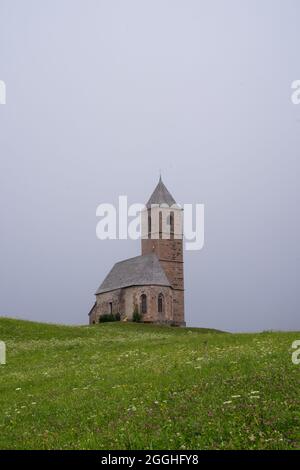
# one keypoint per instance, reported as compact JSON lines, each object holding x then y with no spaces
{"x":100,"y":96}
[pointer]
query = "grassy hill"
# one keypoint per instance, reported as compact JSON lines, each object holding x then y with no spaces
{"x":134,"y":386}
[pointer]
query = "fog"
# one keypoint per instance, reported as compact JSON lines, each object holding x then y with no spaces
{"x":101,"y":97}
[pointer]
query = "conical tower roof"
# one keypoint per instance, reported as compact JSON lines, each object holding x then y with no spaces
{"x":161,"y":195}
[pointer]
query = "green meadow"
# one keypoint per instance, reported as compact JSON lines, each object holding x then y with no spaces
{"x":136,"y":386}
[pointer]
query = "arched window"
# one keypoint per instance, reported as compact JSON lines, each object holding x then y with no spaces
{"x":149,"y":224}
{"x":170,"y":223}
{"x":143,"y":303}
{"x":160,"y":303}
{"x":160,"y":224}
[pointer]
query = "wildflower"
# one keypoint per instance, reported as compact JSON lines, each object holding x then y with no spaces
{"x":132,"y":408}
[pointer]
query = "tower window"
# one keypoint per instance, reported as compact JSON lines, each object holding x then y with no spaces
{"x":110,"y":307}
{"x":160,"y":224}
{"x":172,"y":224}
{"x":143,"y":303}
{"x":149,"y":224}
{"x":160,"y":303}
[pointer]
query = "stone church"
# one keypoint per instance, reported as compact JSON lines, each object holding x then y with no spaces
{"x":152,"y":283}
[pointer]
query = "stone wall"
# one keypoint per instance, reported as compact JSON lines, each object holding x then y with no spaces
{"x":102,"y":306}
{"x":133,"y":296}
{"x":170,"y":255}
{"x":125,"y":300}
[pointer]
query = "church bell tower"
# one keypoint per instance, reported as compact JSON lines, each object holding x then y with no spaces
{"x":162,"y":234}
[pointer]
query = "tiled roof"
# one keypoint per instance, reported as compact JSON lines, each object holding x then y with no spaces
{"x":138,"y":271}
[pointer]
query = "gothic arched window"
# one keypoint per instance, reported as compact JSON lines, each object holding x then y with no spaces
{"x":160,"y":224}
{"x":149,"y":224}
{"x":172,"y":224}
{"x":143,"y":303}
{"x":160,"y":303}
